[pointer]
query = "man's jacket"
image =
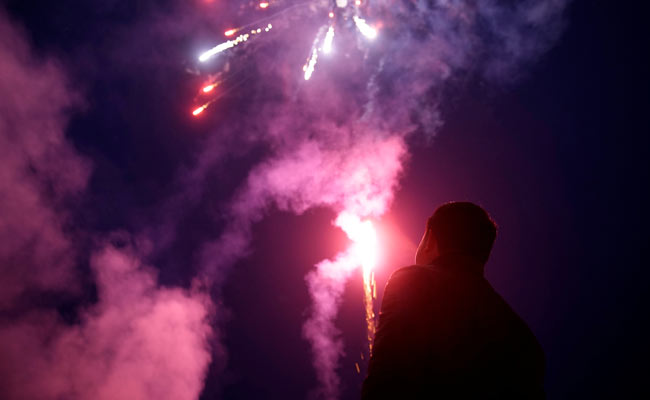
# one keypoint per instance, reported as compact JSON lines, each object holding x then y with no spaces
{"x":444,"y":333}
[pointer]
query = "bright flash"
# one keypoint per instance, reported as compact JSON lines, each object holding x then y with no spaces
{"x":264,"y":4}
{"x":230,"y":32}
{"x":364,"y":236}
{"x":365,"y":250}
{"x":327,"y":43}
{"x":365,"y":29}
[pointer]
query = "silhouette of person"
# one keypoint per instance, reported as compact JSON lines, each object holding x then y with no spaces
{"x":443,"y":331}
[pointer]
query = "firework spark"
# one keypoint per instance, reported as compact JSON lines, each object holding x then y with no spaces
{"x":200,"y":109}
{"x":210,"y":87}
{"x":206,"y":55}
{"x":329,"y":38}
{"x":365,"y":29}
{"x":365,"y":251}
{"x":311,"y":64}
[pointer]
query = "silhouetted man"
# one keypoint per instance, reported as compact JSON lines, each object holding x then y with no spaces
{"x":443,"y":331}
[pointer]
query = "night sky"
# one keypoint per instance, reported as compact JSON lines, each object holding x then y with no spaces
{"x":554,"y":147}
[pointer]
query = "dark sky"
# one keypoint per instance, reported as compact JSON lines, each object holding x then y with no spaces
{"x":558,"y":157}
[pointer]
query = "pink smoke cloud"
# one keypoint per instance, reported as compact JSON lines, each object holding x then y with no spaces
{"x":39,"y":169}
{"x":357,"y":174}
{"x":139,"y":340}
{"x":326,"y":284}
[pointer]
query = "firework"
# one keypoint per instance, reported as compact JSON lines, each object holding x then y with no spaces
{"x":365,"y":29}
{"x":200,"y":109}
{"x":311,"y":64}
{"x":210,"y":87}
{"x":364,"y":250}
{"x":329,"y":38}
{"x":233,"y":42}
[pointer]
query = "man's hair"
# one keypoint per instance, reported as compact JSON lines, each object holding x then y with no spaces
{"x":463,"y":227}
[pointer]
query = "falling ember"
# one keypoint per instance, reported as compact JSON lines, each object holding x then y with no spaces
{"x":221,"y":47}
{"x":311,"y":64}
{"x":365,"y":29}
{"x":231,"y":43}
{"x":199,"y":110}
{"x":364,"y":249}
{"x":264,"y":4}
{"x":329,"y":38}
{"x":210,"y":87}
{"x":331,"y":14}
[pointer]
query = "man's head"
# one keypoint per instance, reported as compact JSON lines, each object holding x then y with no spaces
{"x":457,"y":228}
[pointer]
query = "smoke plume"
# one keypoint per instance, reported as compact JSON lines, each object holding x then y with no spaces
{"x":138,"y":340}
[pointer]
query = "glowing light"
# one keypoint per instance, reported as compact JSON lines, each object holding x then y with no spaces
{"x":358,"y":2}
{"x":264,"y":4}
{"x":365,"y":250}
{"x":331,"y":14}
{"x":218,"y":49}
{"x":327,"y":42}
{"x":341,"y":3}
{"x":210,"y":87}
{"x":365,"y":29}
{"x":311,"y":64}
{"x":231,"y":43}
{"x":199,"y":110}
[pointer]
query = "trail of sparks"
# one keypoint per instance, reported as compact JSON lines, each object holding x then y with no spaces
{"x":210,"y":87}
{"x":233,"y":42}
{"x":365,"y":29}
{"x":365,"y":251}
{"x":329,"y":38}
{"x":310,"y":65}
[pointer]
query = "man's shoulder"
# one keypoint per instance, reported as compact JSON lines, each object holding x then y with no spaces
{"x":413,"y":277}
{"x":411,"y":272}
